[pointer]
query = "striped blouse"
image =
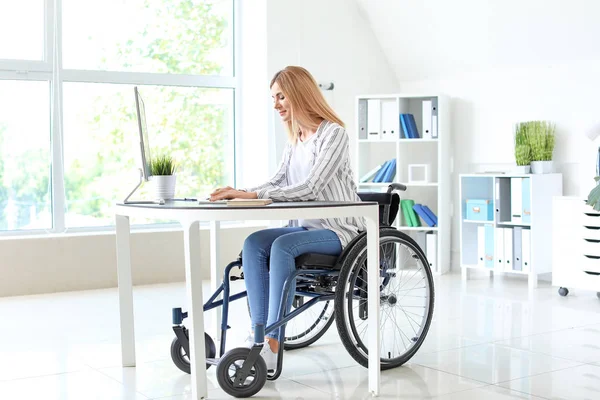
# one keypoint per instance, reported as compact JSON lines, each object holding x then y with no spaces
{"x":330,"y":179}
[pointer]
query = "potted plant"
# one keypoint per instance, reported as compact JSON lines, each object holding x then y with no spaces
{"x":541,"y":137}
{"x":522,"y":149}
{"x":162,"y":169}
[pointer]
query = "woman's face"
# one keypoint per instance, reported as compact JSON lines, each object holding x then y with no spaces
{"x":280,"y":103}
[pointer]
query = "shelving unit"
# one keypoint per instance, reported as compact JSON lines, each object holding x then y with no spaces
{"x":433,"y":151}
{"x":527,"y":228}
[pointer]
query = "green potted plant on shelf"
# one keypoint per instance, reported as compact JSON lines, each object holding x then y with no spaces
{"x":162,"y":169}
{"x":541,"y":136}
{"x":522,"y":148}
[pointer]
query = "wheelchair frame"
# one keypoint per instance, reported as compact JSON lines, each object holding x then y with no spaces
{"x":310,"y":275}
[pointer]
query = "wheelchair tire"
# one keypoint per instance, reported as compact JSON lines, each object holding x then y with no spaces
{"x":354,"y":269}
{"x":181,"y":358}
{"x":313,"y":332}
{"x":232,"y":360}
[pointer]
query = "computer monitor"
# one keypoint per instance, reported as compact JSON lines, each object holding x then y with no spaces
{"x":145,"y":171}
{"x":143,"y":131}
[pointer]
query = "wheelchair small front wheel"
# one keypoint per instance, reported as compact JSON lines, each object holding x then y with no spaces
{"x":229,"y":374}
{"x":181,"y":358}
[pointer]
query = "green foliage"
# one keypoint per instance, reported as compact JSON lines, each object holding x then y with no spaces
{"x":541,"y":136}
{"x":594,"y":196}
{"x":163,"y":164}
{"x":522,"y":149}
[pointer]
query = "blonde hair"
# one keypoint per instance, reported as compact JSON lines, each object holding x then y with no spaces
{"x":308,"y":106}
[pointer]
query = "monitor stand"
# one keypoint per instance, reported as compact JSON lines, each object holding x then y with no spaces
{"x":127,"y":201}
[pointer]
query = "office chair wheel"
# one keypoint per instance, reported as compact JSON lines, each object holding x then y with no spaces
{"x":563,"y":291}
{"x":231,"y":378}
{"x":406,"y":294}
{"x":181,"y":358}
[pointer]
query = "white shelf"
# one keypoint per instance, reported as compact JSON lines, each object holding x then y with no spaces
{"x":475,"y":266}
{"x":434,"y":152}
{"x":534,"y":198}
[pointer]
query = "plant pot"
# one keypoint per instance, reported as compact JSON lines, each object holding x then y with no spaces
{"x":541,"y":167}
{"x":522,"y":169}
{"x":164,"y":186}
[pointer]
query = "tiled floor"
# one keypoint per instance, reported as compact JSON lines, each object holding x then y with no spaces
{"x":490,"y":339}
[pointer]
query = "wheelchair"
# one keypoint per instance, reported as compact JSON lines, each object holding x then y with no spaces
{"x":331,"y":288}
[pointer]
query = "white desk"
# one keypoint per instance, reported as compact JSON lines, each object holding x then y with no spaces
{"x":189,"y":214}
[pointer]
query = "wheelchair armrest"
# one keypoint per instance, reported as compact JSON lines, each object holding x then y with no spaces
{"x":396,"y":186}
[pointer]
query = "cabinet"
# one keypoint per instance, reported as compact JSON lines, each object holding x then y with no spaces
{"x":575,"y":245}
{"x":515,"y":237}
{"x":422,"y":162}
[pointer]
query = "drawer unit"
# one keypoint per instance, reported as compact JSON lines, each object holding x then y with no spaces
{"x":590,"y":264}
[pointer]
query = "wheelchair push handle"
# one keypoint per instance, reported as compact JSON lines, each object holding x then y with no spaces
{"x":396,"y":186}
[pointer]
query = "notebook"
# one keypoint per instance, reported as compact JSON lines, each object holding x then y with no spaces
{"x":248,"y":202}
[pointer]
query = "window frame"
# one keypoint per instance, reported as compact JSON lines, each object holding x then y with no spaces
{"x":50,"y":69}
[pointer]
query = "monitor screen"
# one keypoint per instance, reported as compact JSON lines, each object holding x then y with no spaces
{"x":143,"y":130}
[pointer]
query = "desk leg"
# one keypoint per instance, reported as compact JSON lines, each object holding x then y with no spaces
{"x":125,"y":291}
{"x":193,"y":283}
{"x":216,"y":274}
{"x":373,"y":298}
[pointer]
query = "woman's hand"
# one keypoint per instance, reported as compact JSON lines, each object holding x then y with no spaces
{"x":228,"y":193}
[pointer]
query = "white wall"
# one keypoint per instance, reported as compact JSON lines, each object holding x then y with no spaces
{"x":58,"y":263}
{"x":336,"y":44}
{"x":501,"y":62}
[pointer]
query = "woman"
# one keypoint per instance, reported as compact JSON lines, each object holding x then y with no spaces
{"x":315,"y":166}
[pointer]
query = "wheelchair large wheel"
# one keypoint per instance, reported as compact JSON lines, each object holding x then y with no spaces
{"x":406,"y":296}
{"x":309,"y":326}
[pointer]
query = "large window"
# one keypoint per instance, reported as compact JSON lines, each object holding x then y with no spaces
{"x":69,"y":145}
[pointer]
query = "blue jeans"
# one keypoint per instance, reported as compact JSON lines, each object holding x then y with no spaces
{"x":265,"y":280}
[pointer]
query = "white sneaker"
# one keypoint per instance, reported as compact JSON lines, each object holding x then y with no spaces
{"x":269,"y":357}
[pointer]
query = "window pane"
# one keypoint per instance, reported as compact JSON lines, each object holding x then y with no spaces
{"x":102,"y":152}
{"x":24,"y":155}
{"x":162,"y":36}
{"x":22,"y":30}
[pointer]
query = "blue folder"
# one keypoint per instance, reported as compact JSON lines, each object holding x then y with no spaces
{"x":421,"y":212}
{"x":388,"y":175}
{"x":431,"y":214}
{"x":412,"y":126}
{"x":406,"y":133}
{"x":381,"y":173}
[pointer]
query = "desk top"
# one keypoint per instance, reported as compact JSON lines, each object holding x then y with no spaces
{"x":194,"y":205}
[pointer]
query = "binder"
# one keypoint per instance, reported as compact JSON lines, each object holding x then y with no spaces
{"x":517,"y":243}
{"x":431,"y":214}
{"x":489,"y":246}
{"x":362,"y":119}
{"x":371,"y":174}
{"x":406,"y":213}
{"x":389,"y":121}
{"x":404,"y":133}
{"x":431,"y":250}
{"x":379,"y":176}
{"x":426,"y":124}
{"x":499,"y":248}
{"x":434,"y":118}
{"x":390,"y":172}
{"x":412,"y":126}
{"x":424,"y":216}
{"x":481,"y":246}
{"x":508,"y":249}
{"x":516,"y":200}
{"x":497,"y":203}
{"x":526,"y":201}
{"x":414,"y":219}
{"x":374,"y":118}
{"x":526,"y":250}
